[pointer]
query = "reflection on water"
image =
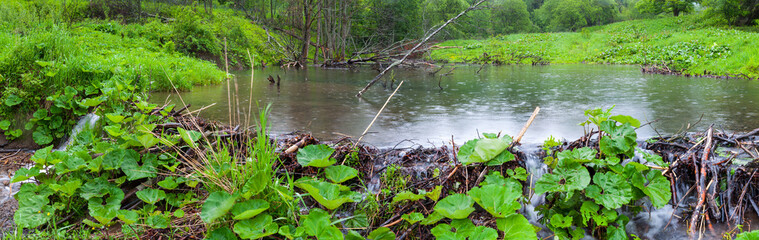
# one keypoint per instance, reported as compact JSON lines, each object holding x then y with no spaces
{"x":497,"y":99}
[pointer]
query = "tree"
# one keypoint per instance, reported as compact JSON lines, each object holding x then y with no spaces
{"x":563,"y":15}
{"x":676,"y":7}
{"x":734,"y":12}
{"x":510,"y":16}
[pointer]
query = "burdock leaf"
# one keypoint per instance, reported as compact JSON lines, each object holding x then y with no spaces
{"x":327,"y":194}
{"x":258,"y":227}
{"x":610,"y":190}
{"x":657,"y":187}
{"x":216,"y":205}
{"x":456,"y":206}
{"x":316,"y":156}
{"x":516,"y":227}
{"x":249,"y":209}
{"x":498,"y":200}
{"x":563,"y":179}
{"x":340,"y":173}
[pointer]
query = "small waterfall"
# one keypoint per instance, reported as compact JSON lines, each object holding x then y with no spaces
{"x":87,"y":121}
{"x":535,"y":167}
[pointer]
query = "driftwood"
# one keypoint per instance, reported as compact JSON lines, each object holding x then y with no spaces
{"x":396,"y":63}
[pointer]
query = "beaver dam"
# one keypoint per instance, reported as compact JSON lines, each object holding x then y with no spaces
{"x":700,"y":185}
{"x":159,"y":171}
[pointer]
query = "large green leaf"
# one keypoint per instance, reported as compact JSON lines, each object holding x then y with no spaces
{"x":151,"y":196}
{"x":34,"y":210}
{"x":255,"y":184}
{"x":579,"y":155}
{"x":382,"y":233}
{"x":483,"y":150}
{"x":128,"y":216}
{"x":12,"y":100}
{"x":105,"y":210}
{"x":655,"y":186}
{"x":316,"y":156}
{"x":134,"y":171}
{"x":456,"y":206}
{"x":249,"y":209}
{"x":95,"y":188}
{"x":216,"y":205}
{"x":459,"y":229}
{"x":327,"y":194}
{"x":498,"y":200}
{"x":483,"y":233}
{"x":23,"y":174}
{"x":563,"y":179}
{"x":610,"y":190}
{"x":169,"y":183}
{"x":516,"y":227}
{"x":258,"y":227}
{"x":159,"y":221}
{"x":340,"y":173}
{"x":318,"y":224}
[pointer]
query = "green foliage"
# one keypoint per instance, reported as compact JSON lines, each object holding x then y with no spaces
{"x":517,"y":227}
{"x":586,"y":187}
{"x":498,"y":200}
{"x":747,"y":235}
{"x":327,"y":194}
{"x":456,"y":206}
{"x":686,"y":44}
{"x":316,"y":156}
{"x":463,"y":229}
{"x":340,"y":173}
{"x":488,"y":150}
{"x":511,"y":16}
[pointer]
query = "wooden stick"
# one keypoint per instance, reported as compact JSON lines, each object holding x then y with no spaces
{"x":417,"y":46}
{"x":701,"y":188}
{"x":376,"y":116}
{"x":295,"y":146}
{"x":527,"y":125}
{"x":229,"y":94}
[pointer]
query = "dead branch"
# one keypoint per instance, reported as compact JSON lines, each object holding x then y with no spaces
{"x":416,"y":47}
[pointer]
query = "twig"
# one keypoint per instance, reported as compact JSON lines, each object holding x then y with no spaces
{"x":396,"y":63}
{"x":295,"y":146}
{"x":527,"y":125}
{"x":376,"y":116}
{"x":743,"y":193}
{"x":200,"y":109}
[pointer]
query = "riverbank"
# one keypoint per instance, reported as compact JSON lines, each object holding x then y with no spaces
{"x":684,"y":45}
{"x":60,"y":60}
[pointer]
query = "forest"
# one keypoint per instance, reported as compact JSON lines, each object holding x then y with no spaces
{"x":107,"y":132}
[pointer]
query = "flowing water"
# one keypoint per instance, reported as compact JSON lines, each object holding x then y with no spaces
{"x":497,"y":99}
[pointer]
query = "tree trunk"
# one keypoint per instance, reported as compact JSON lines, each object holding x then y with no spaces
{"x":308,"y":19}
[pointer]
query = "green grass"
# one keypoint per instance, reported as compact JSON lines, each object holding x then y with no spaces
{"x":45,"y":47}
{"x":687,"y":44}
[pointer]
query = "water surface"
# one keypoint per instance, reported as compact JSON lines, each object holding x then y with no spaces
{"x":497,"y":99}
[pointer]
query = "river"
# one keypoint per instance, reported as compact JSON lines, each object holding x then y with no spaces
{"x":322,"y":101}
